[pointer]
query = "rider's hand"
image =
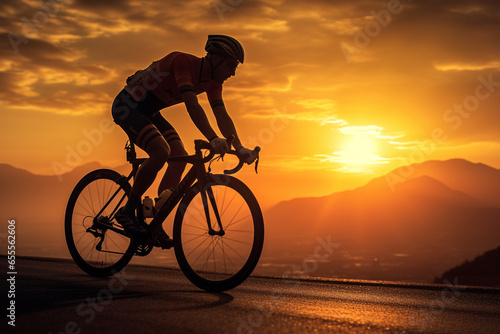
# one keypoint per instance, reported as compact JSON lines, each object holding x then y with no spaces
{"x":219,"y":145}
{"x":248,"y":155}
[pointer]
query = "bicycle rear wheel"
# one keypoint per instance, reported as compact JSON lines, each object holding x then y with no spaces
{"x":219,"y":261}
{"x":95,"y":248}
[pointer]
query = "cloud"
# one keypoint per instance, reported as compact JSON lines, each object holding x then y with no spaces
{"x":293,"y":50}
{"x":396,"y":89}
{"x":335,"y":162}
{"x":477,"y":66}
{"x":95,"y":5}
{"x":46,"y":77}
{"x":340,"y":157}
{"x":368,"y":130}
{"x":319,"y":116}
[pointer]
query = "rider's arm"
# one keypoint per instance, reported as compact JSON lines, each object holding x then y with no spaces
{"x":182,"y":70}
{"x":197,"y":114}
{"x":227,"y":128}
{"x":224,"y":121}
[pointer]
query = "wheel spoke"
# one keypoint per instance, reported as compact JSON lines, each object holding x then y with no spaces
{"x":202,"y":253}
{"x":197,"y":236}
{"x":234,"y":222}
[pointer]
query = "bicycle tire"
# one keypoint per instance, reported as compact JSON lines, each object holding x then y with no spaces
{"x":244,"y":235}
{"x":86,"y":200}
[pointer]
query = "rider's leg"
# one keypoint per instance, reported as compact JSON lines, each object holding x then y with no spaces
{"x":158,"y":151}
{"x":171,"y":178}
{"x":174,"y":171}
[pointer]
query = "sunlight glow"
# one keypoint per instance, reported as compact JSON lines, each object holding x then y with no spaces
{"x":359,"y":150}
{"x":359,"y":153}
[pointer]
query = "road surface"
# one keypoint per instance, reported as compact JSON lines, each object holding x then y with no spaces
{"x":55,"y":296}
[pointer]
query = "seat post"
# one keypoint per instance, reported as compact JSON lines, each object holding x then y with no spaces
{"x":130,"y":148}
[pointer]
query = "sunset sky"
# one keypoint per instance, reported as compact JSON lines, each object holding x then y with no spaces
{"x":335,"y":92}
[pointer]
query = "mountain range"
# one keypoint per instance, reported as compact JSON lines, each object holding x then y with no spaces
{"x":436,"y":217}
{"x":412,"y":224}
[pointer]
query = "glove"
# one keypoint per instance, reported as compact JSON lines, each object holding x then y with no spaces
{"x":219,"y":145}
{"x":248,"y":155}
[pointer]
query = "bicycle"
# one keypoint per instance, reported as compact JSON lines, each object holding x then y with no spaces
{"x":218,"y":229}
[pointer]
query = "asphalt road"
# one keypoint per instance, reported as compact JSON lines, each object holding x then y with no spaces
{"x":54,"y":296}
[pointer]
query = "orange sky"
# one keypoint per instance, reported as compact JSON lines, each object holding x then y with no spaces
{"x":335,"y":92}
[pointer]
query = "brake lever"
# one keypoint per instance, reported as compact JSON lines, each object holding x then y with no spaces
{"x":241,"y":162}
{"x":257,"y":149}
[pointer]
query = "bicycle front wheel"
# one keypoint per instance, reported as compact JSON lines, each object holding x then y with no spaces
{"x":95,"y":248}
{"x":218,"y":259}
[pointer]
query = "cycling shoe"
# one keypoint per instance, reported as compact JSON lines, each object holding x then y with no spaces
{"x":127,"y":219}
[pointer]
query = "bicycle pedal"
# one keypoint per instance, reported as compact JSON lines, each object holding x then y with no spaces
{"x":170,"y":245}
{"x":167,"y":245}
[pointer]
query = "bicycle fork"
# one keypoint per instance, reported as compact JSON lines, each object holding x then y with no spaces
{"x":207,"y":189}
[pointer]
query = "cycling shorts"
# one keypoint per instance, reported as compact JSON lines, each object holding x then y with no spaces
{"x":142,"y":121}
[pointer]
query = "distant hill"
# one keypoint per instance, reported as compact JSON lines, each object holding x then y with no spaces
{"x":475,"y":179}
{"x":25,"y":194}
{"x":414,"y":230}
{"x":484,"y":270}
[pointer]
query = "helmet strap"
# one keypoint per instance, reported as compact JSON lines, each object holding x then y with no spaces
{"x":212,"y":67}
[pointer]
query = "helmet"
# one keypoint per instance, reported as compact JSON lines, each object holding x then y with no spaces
{"x":225,"y":46}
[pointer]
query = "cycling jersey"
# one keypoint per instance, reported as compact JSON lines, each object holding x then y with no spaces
{"x":170,"y":76}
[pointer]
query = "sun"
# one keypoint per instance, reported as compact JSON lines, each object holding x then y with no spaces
{"x":359,"y":150}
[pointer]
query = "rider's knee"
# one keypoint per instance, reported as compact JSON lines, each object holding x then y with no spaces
{"x":179,"y":152}
{"x":177,"y":149}
{"x":161,"y":155}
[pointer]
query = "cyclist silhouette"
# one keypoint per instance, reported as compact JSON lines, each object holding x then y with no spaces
{"x":178,"y":77}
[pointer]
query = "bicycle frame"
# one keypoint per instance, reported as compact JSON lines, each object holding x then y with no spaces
{"x":196,"y":172}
